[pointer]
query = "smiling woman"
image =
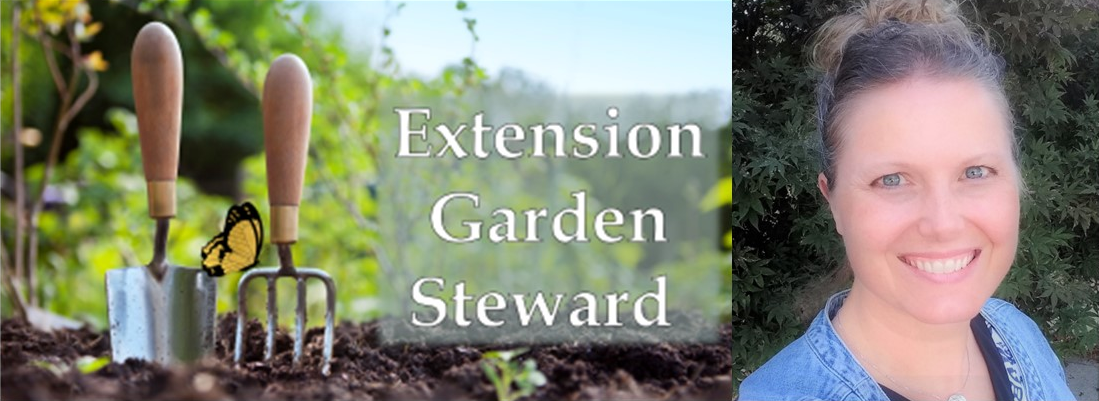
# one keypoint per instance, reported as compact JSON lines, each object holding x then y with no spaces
{"x":920,"y":171}
{"x":907,"y":198}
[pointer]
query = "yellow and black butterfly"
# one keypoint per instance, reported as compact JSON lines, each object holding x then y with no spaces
{"x":237,"y":247}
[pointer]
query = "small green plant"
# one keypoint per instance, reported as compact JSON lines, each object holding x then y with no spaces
{"x":511,"y":379}
{"x":85,"y":365}
{"x":88,"y":364}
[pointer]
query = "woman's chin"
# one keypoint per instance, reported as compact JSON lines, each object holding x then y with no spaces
{"x":945,"y":311}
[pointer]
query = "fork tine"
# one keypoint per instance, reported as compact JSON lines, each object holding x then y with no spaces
{"x":329,"y":312}
{"x":272,"y":316}
{"x":242,"y":309}
{"x":299,"y":325}
{"x":329,"y":321}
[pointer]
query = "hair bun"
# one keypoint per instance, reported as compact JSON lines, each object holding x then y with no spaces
{"x":831,"y":39}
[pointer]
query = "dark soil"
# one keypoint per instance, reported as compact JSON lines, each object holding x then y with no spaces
{"x":362,"y":369}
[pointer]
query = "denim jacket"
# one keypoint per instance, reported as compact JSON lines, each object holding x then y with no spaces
{"x":818,"y":366}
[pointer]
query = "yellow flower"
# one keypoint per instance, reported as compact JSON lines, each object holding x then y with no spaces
{"x":86,"y":32}
{"x":57,"y":13}
{"x":95,"y":61}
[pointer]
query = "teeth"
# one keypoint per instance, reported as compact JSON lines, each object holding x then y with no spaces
{"x":941,"y":266}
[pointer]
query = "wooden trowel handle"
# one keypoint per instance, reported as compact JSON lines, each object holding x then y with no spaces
{"x":287,"y":111}
{"x":157,"y":73}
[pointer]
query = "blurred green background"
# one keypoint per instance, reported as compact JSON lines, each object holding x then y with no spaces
{"x":94,"y":214}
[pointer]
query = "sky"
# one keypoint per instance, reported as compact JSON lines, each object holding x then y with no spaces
{"x":585,"y":47}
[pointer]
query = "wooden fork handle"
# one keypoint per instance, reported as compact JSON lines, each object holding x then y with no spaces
{"x":287,"y":112}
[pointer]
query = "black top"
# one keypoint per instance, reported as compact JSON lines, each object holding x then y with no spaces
{"x":996,"y":369}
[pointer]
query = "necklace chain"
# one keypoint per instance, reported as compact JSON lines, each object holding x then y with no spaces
{"x":956,"y":395}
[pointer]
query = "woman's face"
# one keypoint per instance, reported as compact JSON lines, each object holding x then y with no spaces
{"x":926,"y":196}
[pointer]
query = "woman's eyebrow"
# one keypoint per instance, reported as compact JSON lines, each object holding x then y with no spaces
{"x":887,"y":165}
{"x":987,"y":156}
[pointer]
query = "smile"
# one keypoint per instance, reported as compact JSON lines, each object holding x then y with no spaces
{"x":943,"y":265}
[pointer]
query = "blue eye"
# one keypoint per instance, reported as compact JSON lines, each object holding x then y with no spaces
{"x":976,"y":172}
{"x":891,"y":180}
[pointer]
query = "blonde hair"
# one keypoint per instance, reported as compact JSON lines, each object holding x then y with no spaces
{"x":830,"y":39}
{"x":879,"y":42}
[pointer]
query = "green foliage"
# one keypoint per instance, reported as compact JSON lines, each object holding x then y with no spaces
{"x":721,"y":194}
{"x":511,"y":379}
{"x":786,"y":255}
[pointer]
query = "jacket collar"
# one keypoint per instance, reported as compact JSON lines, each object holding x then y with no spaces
{"x":822,"y":339}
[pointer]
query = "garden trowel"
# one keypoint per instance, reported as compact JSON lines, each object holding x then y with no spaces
{"x":159,"y":312}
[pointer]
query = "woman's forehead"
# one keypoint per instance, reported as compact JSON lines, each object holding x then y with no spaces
{"x":925,"y":117}
{"x":966,"y":157}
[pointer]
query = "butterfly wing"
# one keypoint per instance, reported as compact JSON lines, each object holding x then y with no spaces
{"x":253,"y":217}
{"x":238,"y":246}
{"x":212,"y":254}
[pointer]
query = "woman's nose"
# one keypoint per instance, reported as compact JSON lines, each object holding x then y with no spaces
{"x":942,"y":217}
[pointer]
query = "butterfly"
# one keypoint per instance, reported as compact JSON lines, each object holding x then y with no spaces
{"x":238,"y":245}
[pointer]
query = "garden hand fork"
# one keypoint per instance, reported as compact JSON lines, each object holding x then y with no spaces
{"x":287,"y":109}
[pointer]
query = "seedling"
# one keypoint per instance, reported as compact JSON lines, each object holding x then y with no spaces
{"x":511,"y":379}
{"x":88,"y":365}
{"x":85,"y":364}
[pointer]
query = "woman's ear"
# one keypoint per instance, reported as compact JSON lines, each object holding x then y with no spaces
{"x":822,"y":185}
